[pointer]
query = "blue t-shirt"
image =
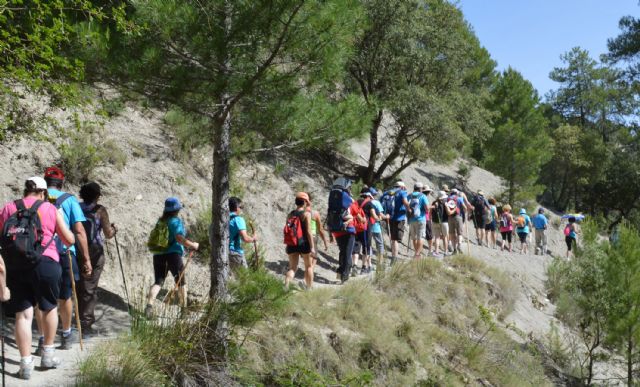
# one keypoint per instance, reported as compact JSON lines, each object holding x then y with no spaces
{"x":72,"y":214}
{"x":236,"y":224}
{"x":375,"y":228}
{"x":527,"y":222}
{"x":423,"y":203}
{"x":399,"y":210}
{"x":175,"y":228}
{"x":540,"y":221}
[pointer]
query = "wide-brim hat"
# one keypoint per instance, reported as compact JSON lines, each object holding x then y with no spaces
{"x":172,"y":204}
{"x":523,"y":211}
{"x":442,"y":195}
{"x":445,"y":188}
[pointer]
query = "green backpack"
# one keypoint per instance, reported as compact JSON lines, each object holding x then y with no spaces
{"x":159,"y":238}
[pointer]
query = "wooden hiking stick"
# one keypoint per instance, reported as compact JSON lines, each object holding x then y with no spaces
{"x":468,"y":244}
{"x":256,"y":258}
{"x":169,"y":295}
{"x":75,"y":298}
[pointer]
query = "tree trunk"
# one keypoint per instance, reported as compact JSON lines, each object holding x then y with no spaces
{"x":630,"y":357}
{"x":373,"y":153}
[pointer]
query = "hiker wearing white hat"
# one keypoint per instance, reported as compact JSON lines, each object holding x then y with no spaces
{"x":428,"y":227}
{"x":418,"y":206}
{"x":398,"y":218}
{"x":439,"y":219}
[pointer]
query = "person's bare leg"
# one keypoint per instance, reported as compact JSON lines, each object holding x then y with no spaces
{"x":50,"y":325}
{"x":394,"y":249}
{"x":153,"y":293}
{"x":293,"y":266}
{"x":65,"y":308}
{"x":23,"y":331}
{"x":308,"y":269}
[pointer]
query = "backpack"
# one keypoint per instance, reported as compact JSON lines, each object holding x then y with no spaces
{"x":337,"y":205}
{"x":293,"y":234}
{"x":388,"y":202}
{"x":91,"y":225}
{"x":455,"y":200}
{"x":437,"y":213}
{"x":21,"y":239}
{"x":505,"y":222}
{"x":479,"y":206}
{"x":158,"y":240}
{"x":414,"y":207}
{"x":521,"y":222}
{"x":358,"y":212}
{"x":567,"y":230}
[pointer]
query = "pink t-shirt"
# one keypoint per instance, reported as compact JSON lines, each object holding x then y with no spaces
{"x":47,"y":212}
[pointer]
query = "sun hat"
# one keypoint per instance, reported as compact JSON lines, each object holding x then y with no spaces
{"x":455,"y":191}
{"x":172,"y":204}
{"x":373,"y":191}
{"x":53,"y":173}
{"x":523,"y":211}
{"x":40,"y":183}
{"x":480,"y":192}
{"x":451,"y":204}
{"x":303,"y":196}
{"x":445,"y":188}
{"x":427,"y":189}
{"x":418,"y":186}
{"x":442,"y":195}
{"x":399,"y":184}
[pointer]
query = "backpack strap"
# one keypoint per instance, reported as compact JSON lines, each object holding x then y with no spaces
{"x":34,"y":209}
{"x":61,"y":199}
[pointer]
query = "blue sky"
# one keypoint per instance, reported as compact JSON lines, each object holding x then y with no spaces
{"x":530,"y":35}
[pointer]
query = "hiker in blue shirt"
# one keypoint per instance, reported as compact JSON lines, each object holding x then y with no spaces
{"x":237,"y":233}
{"x":398,"y":218}
{"x":523,"y":223}
{"x":418,"y":207}
{"x":540,"y":224}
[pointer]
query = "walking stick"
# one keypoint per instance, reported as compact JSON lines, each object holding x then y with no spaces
{"x":75,"y":298}
{"x":256,"y":259}
{"x":468,"y":244}
{"x":124,"y":280}
{"x":169,"y":295}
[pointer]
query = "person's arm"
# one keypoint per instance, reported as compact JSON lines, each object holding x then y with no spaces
{"x":320,"y":228}
{"x":186,"y":242}
{"x":312,"y":245}
{"x":66,"y":236}
{"x":5,"y":293}
{"x":246,"y":238}
{"x":405,"y":202}
{"x":109,"y":230}
{"x":81,"y":237}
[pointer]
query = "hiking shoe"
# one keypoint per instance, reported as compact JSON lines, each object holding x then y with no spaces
{"x":49,"y":360}
{"x":344,"y":279}
{"x":354,"y":271}
{"x":25,"y":370}
{"x":363,"y":270}
{"x":338,"y":275}
{"x":148,"y":310}
{"x":40,"y":347}
{"x":68,"y":340}
{"x":89,"y":332}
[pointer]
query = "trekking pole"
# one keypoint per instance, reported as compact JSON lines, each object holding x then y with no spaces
{"x":169,"y":295}
{"x":124,"y":280}
{"x":75,"y":298}
{"x":256,"y":259}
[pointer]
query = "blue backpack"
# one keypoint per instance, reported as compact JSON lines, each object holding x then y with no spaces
{"x":414,"y":206}
{"x":388,"y":201}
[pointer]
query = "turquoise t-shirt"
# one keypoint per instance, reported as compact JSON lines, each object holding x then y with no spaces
{"x":527,"y":222}
{"x":72,"y":213}
{"x":236,"y":224}
{"x":423,"y":202}
{"x":399,"y":210}
{"x":175,"y":228}
{"x":375,"y":228}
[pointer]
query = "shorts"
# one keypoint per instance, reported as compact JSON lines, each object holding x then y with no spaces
{"x":523,"y":236}
{"x":490,"y":226}
{"x":65,"y":286}
{"x":506,"y":236}
{"x":568,"y":240}
{"x":440,"y":230}
{"x":302,"y":248}
{"x":397,"y":230}
{"x":38,"y":286}
{"x":164,"y":263}
{"x":416,"y":230}
{"x":377,"y":237}
{"x":363,"y":243}
{"x":478,"y":221}
{"x":428,"y":231}
{"x":455,"y":225}
{"x":236,"y":260}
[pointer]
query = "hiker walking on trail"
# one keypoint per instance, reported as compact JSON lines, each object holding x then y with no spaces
{"x":506,"y":227}
{"x":570,"y":236}
{"x":540,"y":223}
{"x":238,"y":234}
{"x":299,"y":241}
{"x":523,"y":226}
{"x":490,"y":223}
{"x":479,"y":215}
{"x":170,"y":232}
{"x":398,"y":218}
{"x":97,"y":228}
{"x":340,"y":223}
{"x":440,"y":221}
{"x":33,"y":280}
{"x":362,"y":209}
{"x":317,"y":229}
{"x":418,"y":207}
{"x":428,"y":227}
{"x":377,"y":216}
{"x":74,"y":217}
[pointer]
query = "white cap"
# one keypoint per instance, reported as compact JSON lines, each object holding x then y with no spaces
{"x":418,"y":186}
{"x":40,"y":183}
{"x":442,"y":195}
{"x":426,"y":188}
{"x":454,"y":191}
{"x":400,"y":183}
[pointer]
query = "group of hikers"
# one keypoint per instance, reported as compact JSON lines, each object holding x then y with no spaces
{"x":52,"y":249}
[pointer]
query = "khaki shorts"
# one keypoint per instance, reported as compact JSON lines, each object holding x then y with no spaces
{"x":440,"y":230}
{"x":416,"y":230}
{"x":455,"y":226}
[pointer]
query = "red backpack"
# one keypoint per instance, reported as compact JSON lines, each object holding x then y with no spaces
{"x":359,"y":212}
{"x":293,"y":233}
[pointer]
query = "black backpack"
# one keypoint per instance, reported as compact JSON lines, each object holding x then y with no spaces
{"x":21,"y":239}
{"x":337,"y":209}
{"x":91,"y":227}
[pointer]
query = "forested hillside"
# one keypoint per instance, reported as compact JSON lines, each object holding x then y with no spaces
{"x":261,"y":99}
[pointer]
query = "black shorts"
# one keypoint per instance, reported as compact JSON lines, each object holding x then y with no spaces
{"x":523,"y":236}
{"x":568,"y":240}
{"x":490,"y":226}
{"x":397,"y":230}
{"x":38,"y":286}
{"x":506,"y":236}
{"x":302,"y":248}
{"x":65,"y":286}
{"x":164,"y":263}
{"x":363,"y":243}
{"x":428,"y":234}
{"x":478,"y":222}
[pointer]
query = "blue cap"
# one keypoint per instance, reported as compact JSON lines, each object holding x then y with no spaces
{"x":373,"y":191}
{"x":523,"y":211}
{"x":172,"y":204}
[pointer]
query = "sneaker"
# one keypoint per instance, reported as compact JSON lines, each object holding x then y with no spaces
{"x":392,"y":261}
{"x":68,"y":340}
{"x":302,"y":285}
{"x":363,"y":270}
{"x":354,"y":271}
{"x":25,"y":370}
{"x":40,"y":347}
{"x":344,"y":279}
{"x":148,"y":310}
{"x":89,"y":332}
{"x":49,"y":360}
